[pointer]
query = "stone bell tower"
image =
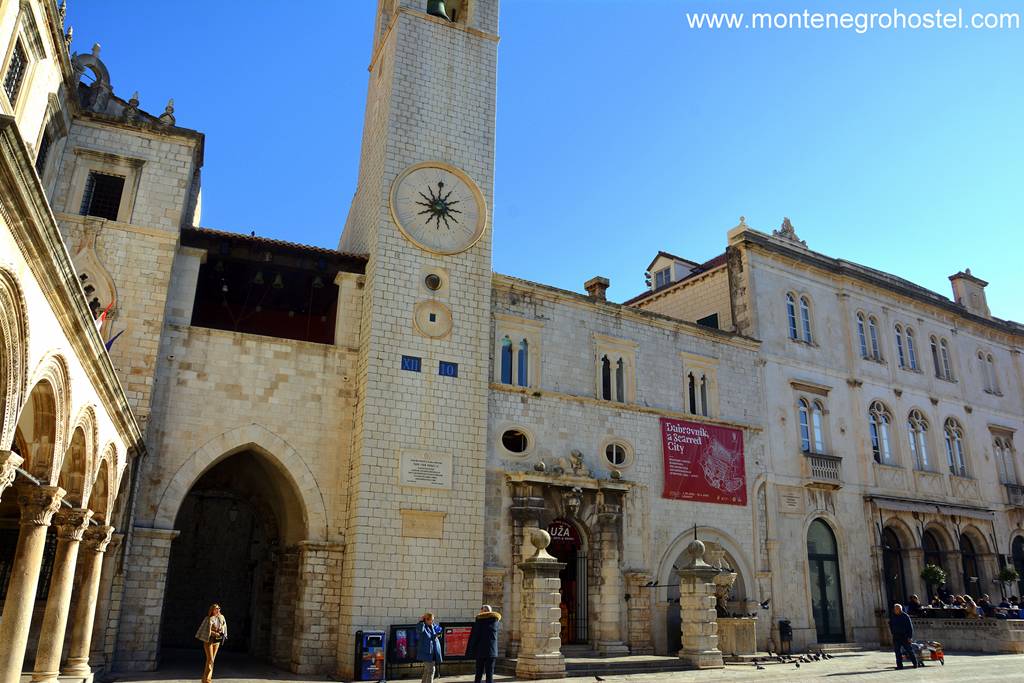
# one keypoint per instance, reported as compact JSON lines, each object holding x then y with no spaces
{"x":414,"y":527}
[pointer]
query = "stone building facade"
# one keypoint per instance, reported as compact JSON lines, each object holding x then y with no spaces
{"x":892,"y":415}
{"x":331,"y":422}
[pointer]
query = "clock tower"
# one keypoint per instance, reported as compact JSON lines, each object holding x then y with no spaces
{"x":416,"y":479}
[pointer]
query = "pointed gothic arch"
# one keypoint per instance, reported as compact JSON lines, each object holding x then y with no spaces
{"x":278,"y":452}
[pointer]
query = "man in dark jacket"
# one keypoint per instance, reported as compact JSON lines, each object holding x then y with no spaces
{"x":483,"y":643}
{"x":902,"y":629}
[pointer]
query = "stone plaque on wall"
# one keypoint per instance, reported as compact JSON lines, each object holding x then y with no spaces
{"x":791,"y":500}
{"x":422,"y":524}
{"x":427,"y":470}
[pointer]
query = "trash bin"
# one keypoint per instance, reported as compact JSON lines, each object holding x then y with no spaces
{"x":370,"y":646}
{"x":785,"y":636}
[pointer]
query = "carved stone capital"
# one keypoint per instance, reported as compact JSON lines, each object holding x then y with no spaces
{"x":9,"y":462}
{"x":38,"y":503}
{"x":72,"y":523}
{"x":97,"y":538}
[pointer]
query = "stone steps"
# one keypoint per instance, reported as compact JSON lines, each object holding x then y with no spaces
{"x":593,"y":664}
{"x":838,"y":648}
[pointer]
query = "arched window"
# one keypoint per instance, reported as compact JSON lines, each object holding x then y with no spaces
{"x":506,"y":361}
{"x":917,"y":435}
{"x":862,"y":336}
{"x":691,"y":392}
{"x":704,"y":395}
{"x":947,"y":365}
{"x":805,"y":425}
{"x":876,"y":352}
{"x":524,"y":364}
{"x":818,"y":426}
{"x":791,"y":316}
{"x":901,"y":356}
{"x":935,"y":356}
{"x":955,"y":448}
{"x":606,"y":378}
{"x":620,"y":381}
{"x":992,"y":373}
{"x":879,"y":420}
{"x":805,"y":318}
{"x":1003,"y":450}
{"x":911,"y":350}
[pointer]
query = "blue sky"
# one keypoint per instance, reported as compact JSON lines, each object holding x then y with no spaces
{"x":620,"y":131}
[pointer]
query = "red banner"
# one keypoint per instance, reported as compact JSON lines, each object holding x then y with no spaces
{"x":456,"y":640}
{"x":703,"y":462}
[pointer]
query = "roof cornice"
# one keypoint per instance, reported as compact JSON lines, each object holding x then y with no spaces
{"x":876,"y":278}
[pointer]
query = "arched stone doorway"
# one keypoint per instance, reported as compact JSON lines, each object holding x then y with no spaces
{"x":934,"y":553}
{"x":971,"y":568}
{"x":1017,"y":553}
{"x":825,"y":582}
{"x":239,"y":524}
{"x":736,"y":600}
{"x":568,"y":546}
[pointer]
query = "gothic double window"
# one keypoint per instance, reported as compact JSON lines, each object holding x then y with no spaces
{"x":879,"y":422}
{"x":987,"y":368}
{"x":867,"y":335}
{"x":812,"y":425}
{"x":616,"y":368}
{"x":798,"y":316}
{"x":515,"y":361}
{"x":941,"y":358}
{"x":1002,"y":447}
{"x":917,"y":437}
{"x":955,"y":458}
{"x":613,"y":378}
{"x":906,"y":349}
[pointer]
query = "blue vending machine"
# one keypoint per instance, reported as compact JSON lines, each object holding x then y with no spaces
{"x":370,"y":646}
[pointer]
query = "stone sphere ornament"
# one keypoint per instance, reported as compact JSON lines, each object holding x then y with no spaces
{"x":540,"y":540}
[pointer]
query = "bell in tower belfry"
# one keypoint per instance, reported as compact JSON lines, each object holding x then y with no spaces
{"x":436,"y":8}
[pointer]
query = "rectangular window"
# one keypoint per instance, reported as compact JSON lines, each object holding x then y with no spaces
{"x":44,"y":150}
{"x":102,"y":196}
{"x":15,"y":73}
{"x":411,"y":363}
{"x":446,"y":369}
{"x":662,"y":277}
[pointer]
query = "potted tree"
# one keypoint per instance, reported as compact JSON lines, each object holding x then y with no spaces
{"x":1007,"y":575}
{"x":933,"y":575}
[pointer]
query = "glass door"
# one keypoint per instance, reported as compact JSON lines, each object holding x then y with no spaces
{"x":826,"y":587}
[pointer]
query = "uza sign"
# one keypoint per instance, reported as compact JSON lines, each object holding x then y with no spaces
{"x":703,"y":462}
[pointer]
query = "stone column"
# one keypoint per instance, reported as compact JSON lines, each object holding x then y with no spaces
{"x":638,"y":613}
{"x":540,"y":631}
{"x":317,"y":604}
{"x":697,"y":615}
{"x":71,"y":525}
{"x":38,"y":505}
{"x":913,"y":563}
{"x":611,"y":598}
{"x":9,"y":463}
{"x":90,"y":565}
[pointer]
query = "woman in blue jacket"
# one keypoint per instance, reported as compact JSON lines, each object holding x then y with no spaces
{"x":428,"y":646}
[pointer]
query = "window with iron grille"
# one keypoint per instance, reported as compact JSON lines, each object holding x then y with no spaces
{"x":44,"y":150}
{"x":15,"y":73}
{"x":102,"y":195}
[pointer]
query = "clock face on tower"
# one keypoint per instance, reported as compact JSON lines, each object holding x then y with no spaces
{"x":438,"y":207}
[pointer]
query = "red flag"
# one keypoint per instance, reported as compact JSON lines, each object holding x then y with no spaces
{"x":103,"y":316}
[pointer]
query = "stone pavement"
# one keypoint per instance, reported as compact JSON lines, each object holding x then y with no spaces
{"x":876,"y":667}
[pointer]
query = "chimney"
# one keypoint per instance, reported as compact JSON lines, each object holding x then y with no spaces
{"x":596,"y":288}
{"x":969,"y":292}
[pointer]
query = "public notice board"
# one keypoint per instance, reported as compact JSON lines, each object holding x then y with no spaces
{"x":703,"y":462}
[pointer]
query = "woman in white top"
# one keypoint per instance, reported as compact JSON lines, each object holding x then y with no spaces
{"x":213,"y":631}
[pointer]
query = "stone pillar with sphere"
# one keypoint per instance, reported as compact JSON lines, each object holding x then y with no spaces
{"x":697,"y":615}
{"x":540,"y":642}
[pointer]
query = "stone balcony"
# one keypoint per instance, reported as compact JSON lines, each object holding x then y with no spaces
{"x":822,"y":471}
{"x":1014,"y":495}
